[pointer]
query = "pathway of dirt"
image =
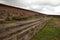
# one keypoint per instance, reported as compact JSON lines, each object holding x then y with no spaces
{"x":56,"y":38}
{"x":57,"y":23}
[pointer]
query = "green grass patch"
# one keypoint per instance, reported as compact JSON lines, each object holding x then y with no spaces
{"x":50,"y":32}
{"x":9,"y":21}
{"x":23,"y":19}
{"x":33,"y":18}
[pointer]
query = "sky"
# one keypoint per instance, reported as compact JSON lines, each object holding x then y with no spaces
{"x":49,"y":7}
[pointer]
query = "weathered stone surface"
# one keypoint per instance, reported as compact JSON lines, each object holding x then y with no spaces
{"x":18,"y":31}
{"x":9,"y":13}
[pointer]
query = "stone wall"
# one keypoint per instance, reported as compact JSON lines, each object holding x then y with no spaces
{"x":19,"y":31}
{"x":23,"y":30}
{"x":10,"y":12}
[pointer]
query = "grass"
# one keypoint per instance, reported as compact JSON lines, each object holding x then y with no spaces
{"x":9,"y":21}
{"x":33,"y":18}
{"x":50,"y":32}
{"x":24,"y":19}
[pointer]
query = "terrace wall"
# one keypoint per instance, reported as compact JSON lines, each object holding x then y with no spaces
{"x":10,"y":12}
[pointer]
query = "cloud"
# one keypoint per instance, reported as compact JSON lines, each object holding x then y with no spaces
{"x":50,"y":7}
{"x":57,"y":9}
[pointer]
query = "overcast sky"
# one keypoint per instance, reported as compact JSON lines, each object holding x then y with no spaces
{"x":50,"y":7}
